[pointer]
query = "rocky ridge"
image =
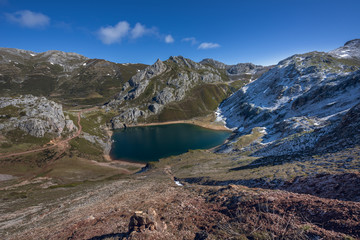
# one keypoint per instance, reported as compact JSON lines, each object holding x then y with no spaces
{"x":65,"y":77}
{"x":295,"y":103}
{"x":164,"y":82}
{"x":237,"y":70}
{"x":350,"y":50}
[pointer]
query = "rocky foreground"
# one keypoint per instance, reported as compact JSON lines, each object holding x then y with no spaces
{"x":152,"y":206}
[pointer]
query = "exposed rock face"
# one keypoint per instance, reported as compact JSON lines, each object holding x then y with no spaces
{"x":105,"y":143}
{"x":296,"y":102}
{"x":36,"y":116}
{"x":116,"y":123}
{"x":150,"y":90}
{"x":140,"y":81}
{"x":130,"y":116}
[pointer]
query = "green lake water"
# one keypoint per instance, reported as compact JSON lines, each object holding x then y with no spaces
{"x":150,"y":143}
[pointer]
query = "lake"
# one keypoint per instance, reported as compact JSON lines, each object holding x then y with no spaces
{"x":150,"y":143}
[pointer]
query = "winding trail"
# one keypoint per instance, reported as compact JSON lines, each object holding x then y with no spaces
{"x":62,"y":143}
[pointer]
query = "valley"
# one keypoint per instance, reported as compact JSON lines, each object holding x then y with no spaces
{"x":288,"y":170}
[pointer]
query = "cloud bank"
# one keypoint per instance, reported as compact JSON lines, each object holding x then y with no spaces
{"x":29,"y":19}
{"x":208,"y":45}
{"x":115,"y":34}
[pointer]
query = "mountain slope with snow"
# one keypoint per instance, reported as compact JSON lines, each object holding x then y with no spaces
{"x":298,"y":101}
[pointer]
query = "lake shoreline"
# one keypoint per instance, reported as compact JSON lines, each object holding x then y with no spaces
{"x":161,"y":140}
{"x":208,"y":125}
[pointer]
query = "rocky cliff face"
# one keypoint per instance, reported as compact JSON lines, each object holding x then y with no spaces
{"x":36,"y":116}
{"x":148,"y":92}
{"x":297,"y":102}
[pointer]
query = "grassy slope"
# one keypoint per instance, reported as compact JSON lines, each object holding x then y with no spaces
{"x":84,"y":86}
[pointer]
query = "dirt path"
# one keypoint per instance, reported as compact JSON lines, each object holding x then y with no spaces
{"x":61,"y":143}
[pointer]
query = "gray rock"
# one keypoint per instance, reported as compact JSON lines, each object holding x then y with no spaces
{"x":116,"y":123}
{"x":131,"y":115}
{"x":104,"y":143}
{"x":213,"y":63}
{"x":140,"y":81}
{"x":155,"y":108}
{"x":165,"y":96}
{"x":39,"y":116}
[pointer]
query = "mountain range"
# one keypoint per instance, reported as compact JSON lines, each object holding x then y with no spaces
{"x":290,"y":169}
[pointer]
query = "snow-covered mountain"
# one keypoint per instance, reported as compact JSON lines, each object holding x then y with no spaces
{"x":350,"y":50}
{"x":298,"y":101}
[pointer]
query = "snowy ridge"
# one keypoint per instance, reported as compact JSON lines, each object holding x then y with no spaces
{"x":297,"y":101}
{"x":351,"y":49}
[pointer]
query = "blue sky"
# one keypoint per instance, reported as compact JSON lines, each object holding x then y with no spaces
{"x":259,"y":31}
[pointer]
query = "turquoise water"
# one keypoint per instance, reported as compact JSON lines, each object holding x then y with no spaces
{"x":150,"y":143}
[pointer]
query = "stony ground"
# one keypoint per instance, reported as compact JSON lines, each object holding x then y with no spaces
{"x":153,"y":206}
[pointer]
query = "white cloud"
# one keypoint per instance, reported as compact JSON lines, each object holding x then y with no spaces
{"x":112,"y":34}
{"x":169,"y":39}
{"x":140,"y":30}
{"x":192,"y":40}
{"x":28,"y":19}
{"x":208,"y":45}
{"x":115,"y":34}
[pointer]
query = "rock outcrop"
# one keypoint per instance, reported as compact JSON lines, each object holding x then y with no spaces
{"x":142,"y":221}
{"x":165,"y":82}
{"x":36,"y":116}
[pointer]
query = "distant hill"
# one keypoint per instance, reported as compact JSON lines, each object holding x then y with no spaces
{"x":68,"y":78}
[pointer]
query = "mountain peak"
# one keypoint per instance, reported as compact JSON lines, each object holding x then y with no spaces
{"x":213,"y":63}
{"x":353,"y":43}
{"x":351,"y":49}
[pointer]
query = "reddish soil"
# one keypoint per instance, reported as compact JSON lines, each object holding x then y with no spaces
{"x":208,"y":212}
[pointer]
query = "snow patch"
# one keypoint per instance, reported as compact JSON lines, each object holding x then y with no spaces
{"x":178,"y":183}
{"x":84,"y":64}
{"x":244,"y":89}
{"x":219,"y":116}
{"x":262,"y":130}
{"x":344,"y":55}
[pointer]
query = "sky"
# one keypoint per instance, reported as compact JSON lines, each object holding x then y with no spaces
{"x":141,"y":31}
